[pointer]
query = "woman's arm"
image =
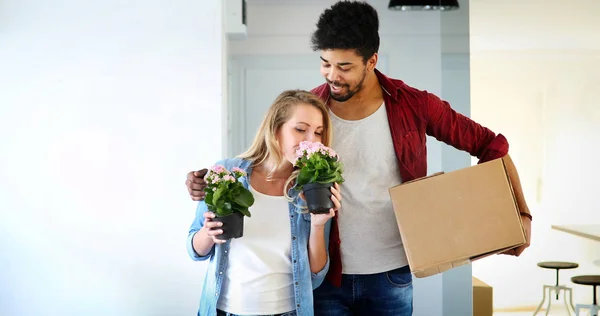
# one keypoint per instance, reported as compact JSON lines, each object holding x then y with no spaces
{"x":317,"y":252}
{"x":201,"y":240}
{"x":319,"y":234}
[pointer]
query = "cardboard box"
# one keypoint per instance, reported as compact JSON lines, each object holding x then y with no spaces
{"x":451,"y":219}
{"x":483,"y":298}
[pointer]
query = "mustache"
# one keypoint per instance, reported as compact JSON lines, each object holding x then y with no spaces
{"x":337,"y":84}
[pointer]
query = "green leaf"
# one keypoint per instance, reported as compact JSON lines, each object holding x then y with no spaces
{"x":234,"y":189}
{"x":218,"y":194}
{"x":304,"y":176}
{"x":209,"y":198}
{"x":328,"y":178}
{"x":220,"y":203}
{"x":226,"y":210}
{"x":244,"y":198}
{"x":315,"y":176}
{"x":245,"y":211}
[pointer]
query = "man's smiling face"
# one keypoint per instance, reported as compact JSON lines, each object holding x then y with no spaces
{"x":344,"y":71}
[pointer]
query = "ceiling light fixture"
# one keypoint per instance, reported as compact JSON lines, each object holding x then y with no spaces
{"x":423,"y":5}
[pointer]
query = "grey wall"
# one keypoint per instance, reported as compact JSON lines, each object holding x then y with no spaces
{"x":457,"y":288}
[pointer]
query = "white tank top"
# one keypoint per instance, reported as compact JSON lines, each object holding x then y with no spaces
{"x":370,"y":239}
{"x":258,"y":279}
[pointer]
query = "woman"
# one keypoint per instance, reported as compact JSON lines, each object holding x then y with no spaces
{"x":282,"y":257}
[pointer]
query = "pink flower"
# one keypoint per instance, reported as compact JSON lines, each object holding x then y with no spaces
{"x":218,"y":174}
{"x":228,"y":178}
{"x":307,"y":149}
{"x":218,"y":169}
{"x":238,"y":172}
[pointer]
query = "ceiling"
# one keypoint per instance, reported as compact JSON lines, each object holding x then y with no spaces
{"x":293,"y":2}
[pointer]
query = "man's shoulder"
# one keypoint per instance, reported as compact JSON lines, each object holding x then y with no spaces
{"x":402,"y":86}
{"x":321,"y":91}
{"x":397,"y":87}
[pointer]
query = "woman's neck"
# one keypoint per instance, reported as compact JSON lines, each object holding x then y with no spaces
{"x":263,"y":181}
{"x":271,"y":173}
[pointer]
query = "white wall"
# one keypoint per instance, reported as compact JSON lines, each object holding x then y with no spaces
{"x":100,"y":111}
{"x":534,"y":78}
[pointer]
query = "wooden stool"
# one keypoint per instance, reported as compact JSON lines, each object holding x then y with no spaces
{"x":557,"y":265}
{"x":594,"y":281}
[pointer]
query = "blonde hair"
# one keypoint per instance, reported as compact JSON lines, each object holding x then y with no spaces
{"x":265,"y":148}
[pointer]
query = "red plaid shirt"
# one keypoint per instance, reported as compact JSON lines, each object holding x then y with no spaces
{"x":412,"y":115}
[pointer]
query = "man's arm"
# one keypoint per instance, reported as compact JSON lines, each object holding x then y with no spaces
{"x":459,"y":131}
{"x":195,"y":184}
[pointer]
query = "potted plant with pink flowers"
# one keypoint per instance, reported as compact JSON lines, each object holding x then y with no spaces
{"x":227,"y":197}
{"x":320,"y":168}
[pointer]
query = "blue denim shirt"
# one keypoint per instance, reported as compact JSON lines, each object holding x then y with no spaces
{"x":304,"y":280}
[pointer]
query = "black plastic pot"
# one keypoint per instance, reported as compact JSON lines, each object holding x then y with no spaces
{"x":233,"y":226}
{"x":318,"y":197}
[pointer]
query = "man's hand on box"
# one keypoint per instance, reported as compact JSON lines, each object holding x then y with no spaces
{"x":527,"y":229}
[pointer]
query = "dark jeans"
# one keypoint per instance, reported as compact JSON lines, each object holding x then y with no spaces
{"x":388,"y":293}
{"x":222,"y":313}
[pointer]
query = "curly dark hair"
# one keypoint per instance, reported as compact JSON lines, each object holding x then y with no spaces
{"x":348,"y":25}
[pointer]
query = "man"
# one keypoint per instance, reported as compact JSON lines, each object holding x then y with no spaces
{"x":380,"y":126}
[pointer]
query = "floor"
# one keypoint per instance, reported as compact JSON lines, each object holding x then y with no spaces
{"x":554,"y":311}
{"x":557,"y":313}
{"x":539,"y":314}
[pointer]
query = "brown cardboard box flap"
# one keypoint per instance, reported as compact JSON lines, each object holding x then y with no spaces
{"x":423,"y":178}
{"x":425,"y":272}
{"x":443,"y":267}
{"x":454,"y":218}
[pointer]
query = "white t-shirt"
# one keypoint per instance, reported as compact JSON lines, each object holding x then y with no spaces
{"x":370,"y":239}
{"x":259,"y":276}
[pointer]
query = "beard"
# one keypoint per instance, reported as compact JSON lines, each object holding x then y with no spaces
{"x":343,"y":97}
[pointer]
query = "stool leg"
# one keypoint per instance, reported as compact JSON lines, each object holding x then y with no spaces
{"x":542,"y":303}
{"x":549,"y":300}
{"x":577,"y":309}
{"x":571,"y":300}
{"x":557,"y":283}
{"x":595,"y":306}
{"x":565,"y":299}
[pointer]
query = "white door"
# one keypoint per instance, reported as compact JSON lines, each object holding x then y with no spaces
{"x":257,"y":81}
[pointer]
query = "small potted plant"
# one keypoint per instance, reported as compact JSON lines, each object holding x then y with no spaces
{"x":320,"y":168}
{"x":227,"y":197}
